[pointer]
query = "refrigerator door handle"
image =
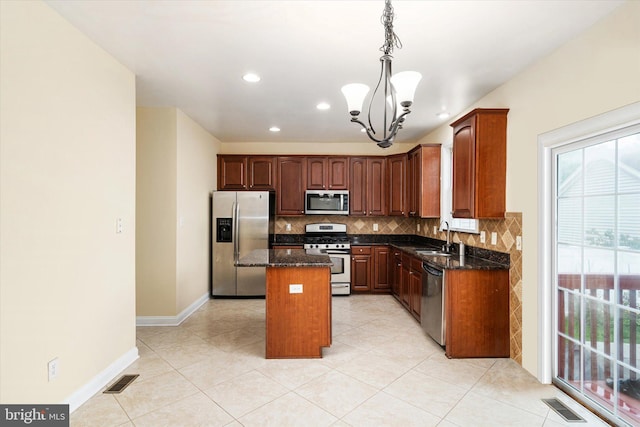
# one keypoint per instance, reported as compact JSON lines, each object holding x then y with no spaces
{"x":236,"y":237}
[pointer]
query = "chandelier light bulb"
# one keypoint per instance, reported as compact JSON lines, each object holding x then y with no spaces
{"x":355,"y":94}
{"x":405,"y":84}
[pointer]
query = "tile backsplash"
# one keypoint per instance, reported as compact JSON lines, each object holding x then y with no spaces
{"x":507,"y":230}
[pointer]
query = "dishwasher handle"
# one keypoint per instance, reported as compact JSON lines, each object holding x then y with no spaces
{"x":432,"y":270}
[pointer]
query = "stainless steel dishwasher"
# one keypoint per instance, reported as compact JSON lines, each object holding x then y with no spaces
{"x":432,"y":315}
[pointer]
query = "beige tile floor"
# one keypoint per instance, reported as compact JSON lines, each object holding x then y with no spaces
{"x":381,"y":370}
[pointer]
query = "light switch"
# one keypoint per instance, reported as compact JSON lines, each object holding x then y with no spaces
{"x":119,"y":225}
{"x":375,"y":227}
{"x":295,"y":288}
{"x":483,"y":237}
{"x":494,"y":238}
{"x":519,"y":243}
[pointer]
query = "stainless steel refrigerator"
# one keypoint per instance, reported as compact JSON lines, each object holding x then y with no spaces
{"x":241,"y":222}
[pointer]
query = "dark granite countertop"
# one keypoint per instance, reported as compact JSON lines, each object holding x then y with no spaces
{"x":475,"y":258}
{"x":454,"y":262}
{"x":283,"y":258}
{"x":287,"y":239}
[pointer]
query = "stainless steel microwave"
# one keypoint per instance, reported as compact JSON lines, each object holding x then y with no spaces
{"x":321,"y":202}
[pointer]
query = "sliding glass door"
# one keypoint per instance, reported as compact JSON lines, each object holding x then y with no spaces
{"x":596,"y":262}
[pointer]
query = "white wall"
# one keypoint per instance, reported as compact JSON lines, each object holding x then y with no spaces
{"x":67,"y":171}
{"x":596,"y":72}
{"x":365,"y":148}
{"x":176,"y":173}
{"x":156,"y":211}
{"x":196,"y":179}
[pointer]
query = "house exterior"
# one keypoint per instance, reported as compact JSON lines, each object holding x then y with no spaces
{"x":71,"y":286}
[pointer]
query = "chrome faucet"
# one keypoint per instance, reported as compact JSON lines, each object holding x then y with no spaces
{"x":447,"y":246}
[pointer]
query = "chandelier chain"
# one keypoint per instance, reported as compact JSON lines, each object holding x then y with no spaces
{"x":391,"y":39}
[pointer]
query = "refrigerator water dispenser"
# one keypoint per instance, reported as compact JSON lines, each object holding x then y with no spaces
{"x":223,"y":230}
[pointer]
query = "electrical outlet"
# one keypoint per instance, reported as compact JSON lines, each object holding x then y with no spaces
{"x":435,"y":230}
{"x":295,"y":288}
{"x":418,"y":226}
{"x":494,"y":238}
{"x":519,"y":243}
{"x":287,"y":227}
{"x":53,"y":369}
{"x":483,"y":237}
{"x":375,"y":227}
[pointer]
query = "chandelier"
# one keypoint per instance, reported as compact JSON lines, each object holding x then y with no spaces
{"x":394,"y":92}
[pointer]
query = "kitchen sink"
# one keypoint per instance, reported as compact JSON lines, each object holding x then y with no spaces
{"x":432,"y":253}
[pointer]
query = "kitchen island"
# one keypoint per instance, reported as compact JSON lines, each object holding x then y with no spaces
{"x":298,"y":301}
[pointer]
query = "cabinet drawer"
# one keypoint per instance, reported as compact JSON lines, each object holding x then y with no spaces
{"x":361,"y":250}
{"x":416,"y":264}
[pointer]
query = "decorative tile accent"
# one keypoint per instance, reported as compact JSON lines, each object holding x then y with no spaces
{"x":507,"y":229}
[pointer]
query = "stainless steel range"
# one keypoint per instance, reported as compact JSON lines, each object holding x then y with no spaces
{"x":332,"y":239}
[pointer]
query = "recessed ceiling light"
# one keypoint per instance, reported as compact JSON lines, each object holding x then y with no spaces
{"x":443,"y":115}
{"x":323,"y":106}
{"x":274,"y":129}
{"x":251,"y":78}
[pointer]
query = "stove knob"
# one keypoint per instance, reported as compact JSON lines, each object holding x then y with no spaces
{"x":326,"y":246}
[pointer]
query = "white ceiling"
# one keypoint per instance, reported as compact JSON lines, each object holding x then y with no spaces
{"x":192,"y":54}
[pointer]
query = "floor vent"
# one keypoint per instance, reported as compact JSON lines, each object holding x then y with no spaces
{"x":562,"y":410}
{"x":121,"y":384}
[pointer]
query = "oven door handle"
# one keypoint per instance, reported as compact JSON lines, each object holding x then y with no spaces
{"x":338,"y":252}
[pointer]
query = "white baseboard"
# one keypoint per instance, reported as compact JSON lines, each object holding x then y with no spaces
{"x":172,"y":320}
{"x":87,"y":391}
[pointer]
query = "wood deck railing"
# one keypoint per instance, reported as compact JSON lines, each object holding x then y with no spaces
{"x":599,"y":327}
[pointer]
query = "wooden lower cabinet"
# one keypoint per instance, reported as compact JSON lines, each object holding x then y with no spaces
{"x":396,"y":272}
{"x":298,"y":325}
{"x":380,"y":273}
{"x":404,"y":281}
{"x":370,"y":269}
{"x":415,"y":287}
{"x":361,"y":269}
{"x":477,"y":313}
{"x":411,"y":284}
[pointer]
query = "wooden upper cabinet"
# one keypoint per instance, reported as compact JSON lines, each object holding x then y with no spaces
{"x":338,"y":169}
{"x":397,"y":184}
{"x":367,"y":186}
{"x":232,"y":172}
{"x":358,"y":186}
{"x":327,"y":173}
{"x":376,"y":186}
{"x":261,"y":172}
{"x":316,"y":173}
{"x":480,"y":164}
{"x":291,"y":185}
{"x":424,"y":181}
